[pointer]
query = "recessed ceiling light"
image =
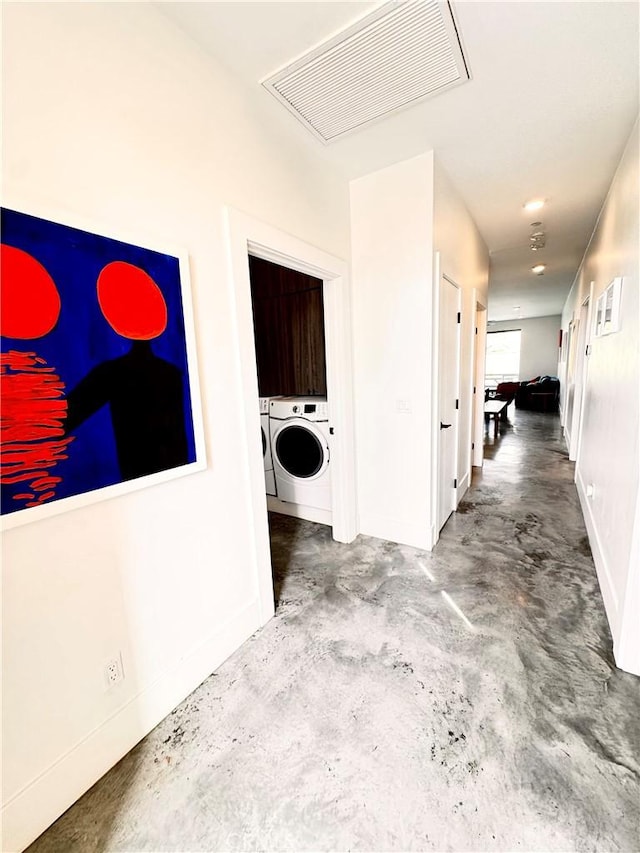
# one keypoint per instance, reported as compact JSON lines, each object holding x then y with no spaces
{"x":534,"y":204}
{"x":538,"y":269}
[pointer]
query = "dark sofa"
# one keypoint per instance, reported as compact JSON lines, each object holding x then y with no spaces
{"x":539,"y":395}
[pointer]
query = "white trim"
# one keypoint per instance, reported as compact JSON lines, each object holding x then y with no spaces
{"x":339,"y":363}
{"x":435,"y":400}
{"x":34,"y":807}
{"x":567,"y":438}
{"x":463,"y":485}
{"x":246,"y":235}
{"x":456,"y":421}
{"x":480,"y":319}
{"x":580,"y":364}
{"x":309,"y":513}
{"x":585,"y":369}
{"x":607,"y":588}
{"x":473,"y":357}
{"x":573,"y":368}
{"x":458,"y":390}
{"x":627,"y":648}
{"x":623,"y":620}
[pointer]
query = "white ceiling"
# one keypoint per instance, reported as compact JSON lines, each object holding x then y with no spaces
{"x":551,"y":103}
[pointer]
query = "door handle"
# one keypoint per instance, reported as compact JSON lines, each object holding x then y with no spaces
{"x":444,"y":426}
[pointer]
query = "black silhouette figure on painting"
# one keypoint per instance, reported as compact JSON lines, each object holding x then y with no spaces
{"x":144,"y":392}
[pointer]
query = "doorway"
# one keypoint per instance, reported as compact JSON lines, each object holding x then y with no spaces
{"x":288,"y":324}
{"x":477,"y":435}
{"x":448,"y":397}
{"x":250,"y":237}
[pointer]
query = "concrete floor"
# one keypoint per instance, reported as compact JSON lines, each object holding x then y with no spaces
{"x":460,"y":700}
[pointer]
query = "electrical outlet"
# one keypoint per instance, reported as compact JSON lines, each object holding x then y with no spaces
{"x":113,"y":672}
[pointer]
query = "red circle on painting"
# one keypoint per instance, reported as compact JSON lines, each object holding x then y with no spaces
{"x":131,"y":301}
{"x":29,"y":300}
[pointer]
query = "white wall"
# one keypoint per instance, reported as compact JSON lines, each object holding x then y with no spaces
{"x":464,"y":258}
{"x":609,"y":457}
{"x":538,"y":344}
{"x":392,"y":257}
{"x":111,"y":113}
{"x":401,"y":216}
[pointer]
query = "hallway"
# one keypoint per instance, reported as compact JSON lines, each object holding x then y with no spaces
{"x":400,"y":700}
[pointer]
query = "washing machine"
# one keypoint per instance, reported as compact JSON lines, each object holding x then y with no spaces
{"x":269,"y":477}
{"x":300,"y":440}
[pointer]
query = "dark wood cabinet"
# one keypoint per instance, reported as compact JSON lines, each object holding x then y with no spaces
{"x":288,"y":322}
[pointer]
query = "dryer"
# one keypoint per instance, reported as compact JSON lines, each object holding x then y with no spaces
{"x":269,"y":477}
{"x":300,"y":440}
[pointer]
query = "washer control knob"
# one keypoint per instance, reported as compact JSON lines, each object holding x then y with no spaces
{"x":296,"y":408}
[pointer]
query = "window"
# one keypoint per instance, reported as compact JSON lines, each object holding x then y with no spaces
{"x":503,"y":358}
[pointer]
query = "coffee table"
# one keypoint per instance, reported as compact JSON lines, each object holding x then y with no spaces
{"x":496,"y":409}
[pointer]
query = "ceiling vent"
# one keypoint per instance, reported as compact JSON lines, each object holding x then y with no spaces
{"x":393,"y":58}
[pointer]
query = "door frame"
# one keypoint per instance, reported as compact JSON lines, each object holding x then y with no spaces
{"x":245,"y":236}
{"x":573,"y":330}
{"x":435,"y":398}
{"x":480,"y":336}
{"x":583,"y":369}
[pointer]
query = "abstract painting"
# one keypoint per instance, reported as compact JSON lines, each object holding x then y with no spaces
{"x":97,"y":368}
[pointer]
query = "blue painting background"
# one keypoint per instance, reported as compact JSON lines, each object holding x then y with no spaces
{"x":82,"y":338}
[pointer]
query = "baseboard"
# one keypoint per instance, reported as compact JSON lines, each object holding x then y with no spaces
{"x":34,"y":808}
{"x":309,"y":513}
{"x":462,"y":488}
{"x":396,"y":530}
{"x":609,"y":595}
{"x":627,"y":649}
{"x":566,"y":434}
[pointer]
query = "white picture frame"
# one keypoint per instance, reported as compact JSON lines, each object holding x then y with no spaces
{"x":183,"y":327}
{"x":611,"y":307}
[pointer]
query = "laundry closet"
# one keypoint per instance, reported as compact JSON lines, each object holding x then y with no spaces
{"x":288,"y":322}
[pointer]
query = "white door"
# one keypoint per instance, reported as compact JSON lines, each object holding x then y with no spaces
{"x":566,"y":392}
{"x":570,"y":389}
{"x":448,"y":375}
{"x":478,"y":400}
{"x":580,"y":380}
